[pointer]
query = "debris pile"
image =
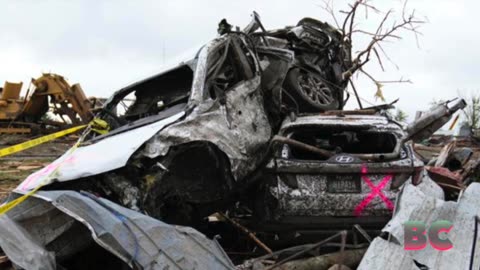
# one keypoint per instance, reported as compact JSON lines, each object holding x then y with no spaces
{"x":243,"y":155}
{"x":453,"y":162}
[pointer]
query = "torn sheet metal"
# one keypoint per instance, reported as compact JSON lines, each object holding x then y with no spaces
{"x":418,"y":205}
{"x":138,"y":240}
{"x":240,"y":130}
{"x":22,"y":249}
{"x":105,"y":155}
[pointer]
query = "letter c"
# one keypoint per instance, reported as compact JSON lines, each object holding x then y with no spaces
{"x":433,"y":235}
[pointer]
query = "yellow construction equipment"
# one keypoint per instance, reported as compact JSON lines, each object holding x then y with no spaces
{"x":50,"y":92}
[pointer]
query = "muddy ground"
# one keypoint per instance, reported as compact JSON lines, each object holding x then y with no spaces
{"x":16,"y":167}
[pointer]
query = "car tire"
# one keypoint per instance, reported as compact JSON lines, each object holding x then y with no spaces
{"x":309,"y":91}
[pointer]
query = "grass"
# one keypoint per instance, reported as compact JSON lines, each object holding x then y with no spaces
{"x":11,"y":177}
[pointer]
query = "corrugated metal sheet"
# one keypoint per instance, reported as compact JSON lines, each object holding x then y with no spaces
{"x":140,"y":241}
{"x":419,"y":204}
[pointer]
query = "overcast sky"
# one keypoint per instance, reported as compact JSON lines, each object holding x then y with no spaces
{"x":105,"y":45}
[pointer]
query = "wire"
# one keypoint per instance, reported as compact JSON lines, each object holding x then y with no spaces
{"x":297,"y":108}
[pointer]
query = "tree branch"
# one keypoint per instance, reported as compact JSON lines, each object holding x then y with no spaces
{"x":408,"y":23}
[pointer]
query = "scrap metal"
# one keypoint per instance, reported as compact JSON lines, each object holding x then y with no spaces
{"x":52,"y":220}
{"x":419,"y":204}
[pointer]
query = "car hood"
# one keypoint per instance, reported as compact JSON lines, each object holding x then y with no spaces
{"x":102,"y":156}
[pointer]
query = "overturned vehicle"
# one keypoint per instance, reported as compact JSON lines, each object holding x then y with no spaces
{"x":192,"y":140}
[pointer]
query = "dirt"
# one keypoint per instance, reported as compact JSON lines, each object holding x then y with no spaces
{"x":16,"y":167}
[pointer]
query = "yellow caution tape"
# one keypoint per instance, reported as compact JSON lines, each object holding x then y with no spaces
{"x":97,"y":125}
{"x":100,"y":126}
{"x":32,"y":143}
{"x":10,"y":205}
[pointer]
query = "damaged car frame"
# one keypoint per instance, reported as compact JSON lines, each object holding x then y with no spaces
{"x":189,"y":134}
{"x":323,"y":169}
{"x":337,"y":170}
{"x":179,"y":142}
{"x":315,"y":81}
{"x":174,"y":152}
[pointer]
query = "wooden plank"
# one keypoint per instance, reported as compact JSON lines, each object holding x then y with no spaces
{"x":4,"y":259}
{"x":15,"y":130}
{"x":443,"y":156}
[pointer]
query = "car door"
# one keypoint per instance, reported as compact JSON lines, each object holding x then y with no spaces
{"x":234,"y":82}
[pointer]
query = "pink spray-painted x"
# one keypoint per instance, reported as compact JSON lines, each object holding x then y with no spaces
{"x":376,"y":191}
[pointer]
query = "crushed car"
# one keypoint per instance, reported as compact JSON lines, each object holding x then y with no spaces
{"x":314,"y":81}
{"x":173,"y":147}
{"x":188,"y":135}
{"x":337,"y":170}
{"x":326,"y":166}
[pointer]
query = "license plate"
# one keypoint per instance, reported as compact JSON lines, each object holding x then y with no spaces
{"x":344,"y":184}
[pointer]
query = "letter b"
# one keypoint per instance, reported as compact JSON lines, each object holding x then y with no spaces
{"x":414,"y":235}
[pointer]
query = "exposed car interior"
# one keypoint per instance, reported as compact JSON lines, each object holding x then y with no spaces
{"x":228,"y":65}
{"x":150,"y":97}
{"x":342,"y":141}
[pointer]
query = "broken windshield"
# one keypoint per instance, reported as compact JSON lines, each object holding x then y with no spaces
{"x":149,"y":97}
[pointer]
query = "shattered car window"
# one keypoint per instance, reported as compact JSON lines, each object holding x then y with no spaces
{"x":149,"y":97}
{"x":344,"y":141}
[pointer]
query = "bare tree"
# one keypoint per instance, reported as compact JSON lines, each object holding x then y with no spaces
{"x":472,"y":111}
{"x":408,"y":22}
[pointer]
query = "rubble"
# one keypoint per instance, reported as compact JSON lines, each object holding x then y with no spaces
{"x":453,"y":161}
{"x":349,"y":259}
{"x":420,"y":204}
{"x":248,"y":133}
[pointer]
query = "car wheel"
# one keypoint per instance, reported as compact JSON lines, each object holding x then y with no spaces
{"x":310,"y":91}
